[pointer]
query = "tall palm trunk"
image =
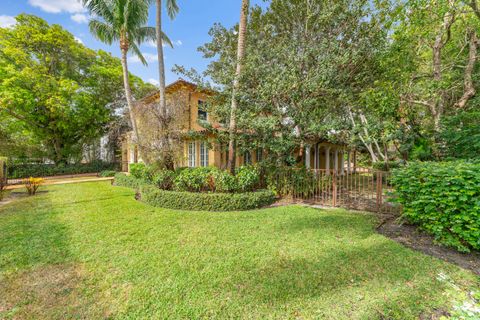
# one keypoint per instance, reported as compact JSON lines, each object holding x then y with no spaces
{"x":242,"y":33}
{"x":165,"y":144}
{"x":128,"y":90}
{"x":161,"y":62}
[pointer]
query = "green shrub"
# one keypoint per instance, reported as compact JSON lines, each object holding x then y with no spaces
{"x":164,"y":179}
{"x":107,"y":173}
{"x":205,"y":201}
{"x":224,"y":181}
{"x":195,"y":180}
{"x":22,"y":170}
{"x":298,"y":182}
{"x":122,"y":180}
{"x":443,"y":199}
{"x":140,"y":171}
{"x":387,"y":166}
{"x":248,"y":178}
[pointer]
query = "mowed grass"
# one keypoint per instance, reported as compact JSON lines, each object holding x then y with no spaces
{"x":89,"y":250}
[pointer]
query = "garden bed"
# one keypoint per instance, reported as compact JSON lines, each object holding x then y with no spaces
{"x":195,"y":201}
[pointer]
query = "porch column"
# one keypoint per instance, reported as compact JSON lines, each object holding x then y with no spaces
{"x":342,"y":162}
{"x":336,"y":161}
{"x":315,"y":156}
{"x":349,"y":168}
{"x":327,"y":160}
{"x":307,"y":157}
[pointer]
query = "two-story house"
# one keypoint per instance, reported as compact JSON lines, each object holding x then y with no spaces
{"x":200,"y":146}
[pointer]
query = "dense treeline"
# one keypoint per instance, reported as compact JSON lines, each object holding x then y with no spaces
{"x":394,"y":79}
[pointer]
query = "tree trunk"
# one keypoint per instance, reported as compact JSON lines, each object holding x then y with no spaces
{"x":128,"y":93}
{"x":168,"y":161}
{"x":161,"y":63}
{"x":242,"y":33}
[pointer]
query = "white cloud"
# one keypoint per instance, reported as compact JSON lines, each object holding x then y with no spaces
{"x":7,"y":21}
{"x":153,"y":44}
{"x":57,"y":6}
{"x":153,"y":81}
{"x":150,"y":57}
{"x":78,"y":40}
{"x":79,"y":18}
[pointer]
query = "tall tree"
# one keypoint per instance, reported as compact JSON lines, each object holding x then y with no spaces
{"x":123,"y":21}
{"x":242,"y":34}
{"x":56,"y":95}
{"x":172,"y":10}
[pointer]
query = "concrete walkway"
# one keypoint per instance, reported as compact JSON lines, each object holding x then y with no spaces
{"x":65,"y":180}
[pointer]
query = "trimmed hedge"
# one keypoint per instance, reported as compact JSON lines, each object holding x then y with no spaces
{"x":205,"y":201}
{"x":19,"y":171}
{"x":122,"y":180}
{"x":443,"y":198}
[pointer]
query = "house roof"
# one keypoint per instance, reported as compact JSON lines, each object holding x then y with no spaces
{"x":172,"y":87}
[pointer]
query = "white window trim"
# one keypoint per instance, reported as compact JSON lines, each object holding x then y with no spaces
{"x":203,"y":154}
{"x":192,"y":154}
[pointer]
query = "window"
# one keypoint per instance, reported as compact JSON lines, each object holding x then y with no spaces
{"x":192,"y":154}
{"x":247,"y":158}
{"x":259,"y":155}
{"x":203,"y":154}
{"x":202,"y":113}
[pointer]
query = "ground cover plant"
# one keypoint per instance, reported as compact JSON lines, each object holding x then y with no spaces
{"x":89,"y":250}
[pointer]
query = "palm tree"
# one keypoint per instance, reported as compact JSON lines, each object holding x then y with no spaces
{"x":123,"y":21}
{"x":242,"y":32}
{"x":172,"y":10}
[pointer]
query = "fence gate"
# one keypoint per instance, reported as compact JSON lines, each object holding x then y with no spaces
{"x":365,"y":189}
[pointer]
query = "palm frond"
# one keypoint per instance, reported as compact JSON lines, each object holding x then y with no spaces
{"x":172,"y":8}
{"x":134,"y":48}
{"x":103,"y":31}
{"x":100,"y":8}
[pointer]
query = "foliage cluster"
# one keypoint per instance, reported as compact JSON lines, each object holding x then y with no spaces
{"x":206,"y":201}
{"x":123,"y":180}
{"x":22,"y":170}
{"x":443,"y":199}
{"x":107,"y":173}
{"x":32,"y":185}
{"x":204,"y":179}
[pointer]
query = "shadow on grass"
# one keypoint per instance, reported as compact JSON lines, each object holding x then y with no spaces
{"x":39,"y":276}
{"x":380,"y":274}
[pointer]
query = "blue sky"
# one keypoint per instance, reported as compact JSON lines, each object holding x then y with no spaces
{"x":188,"y":31}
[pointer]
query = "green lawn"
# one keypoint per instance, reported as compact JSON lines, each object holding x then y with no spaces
{"x":91,"y":251}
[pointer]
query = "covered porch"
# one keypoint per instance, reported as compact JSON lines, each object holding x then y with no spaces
{"x":330,"y":157}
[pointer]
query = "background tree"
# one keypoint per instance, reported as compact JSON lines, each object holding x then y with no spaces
{"x":56,"y":95}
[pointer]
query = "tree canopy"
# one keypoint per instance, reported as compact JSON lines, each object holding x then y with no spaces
{"x":56,"y":95}
{"x":389,"y":78}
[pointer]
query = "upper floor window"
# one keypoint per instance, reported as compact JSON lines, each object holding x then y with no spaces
{"x":247,"y":158}
{"x":259,"y":155}
{"x":202,"y":112}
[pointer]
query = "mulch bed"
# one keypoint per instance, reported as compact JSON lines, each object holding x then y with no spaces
{"x":410,"y":236}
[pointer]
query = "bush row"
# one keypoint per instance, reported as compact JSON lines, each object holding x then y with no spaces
{"x":19,"y":171}
{"x":122,"y":180}
{"x":443,"y":199}
{"x":205,"y":201}
{"x":207,"y":179}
